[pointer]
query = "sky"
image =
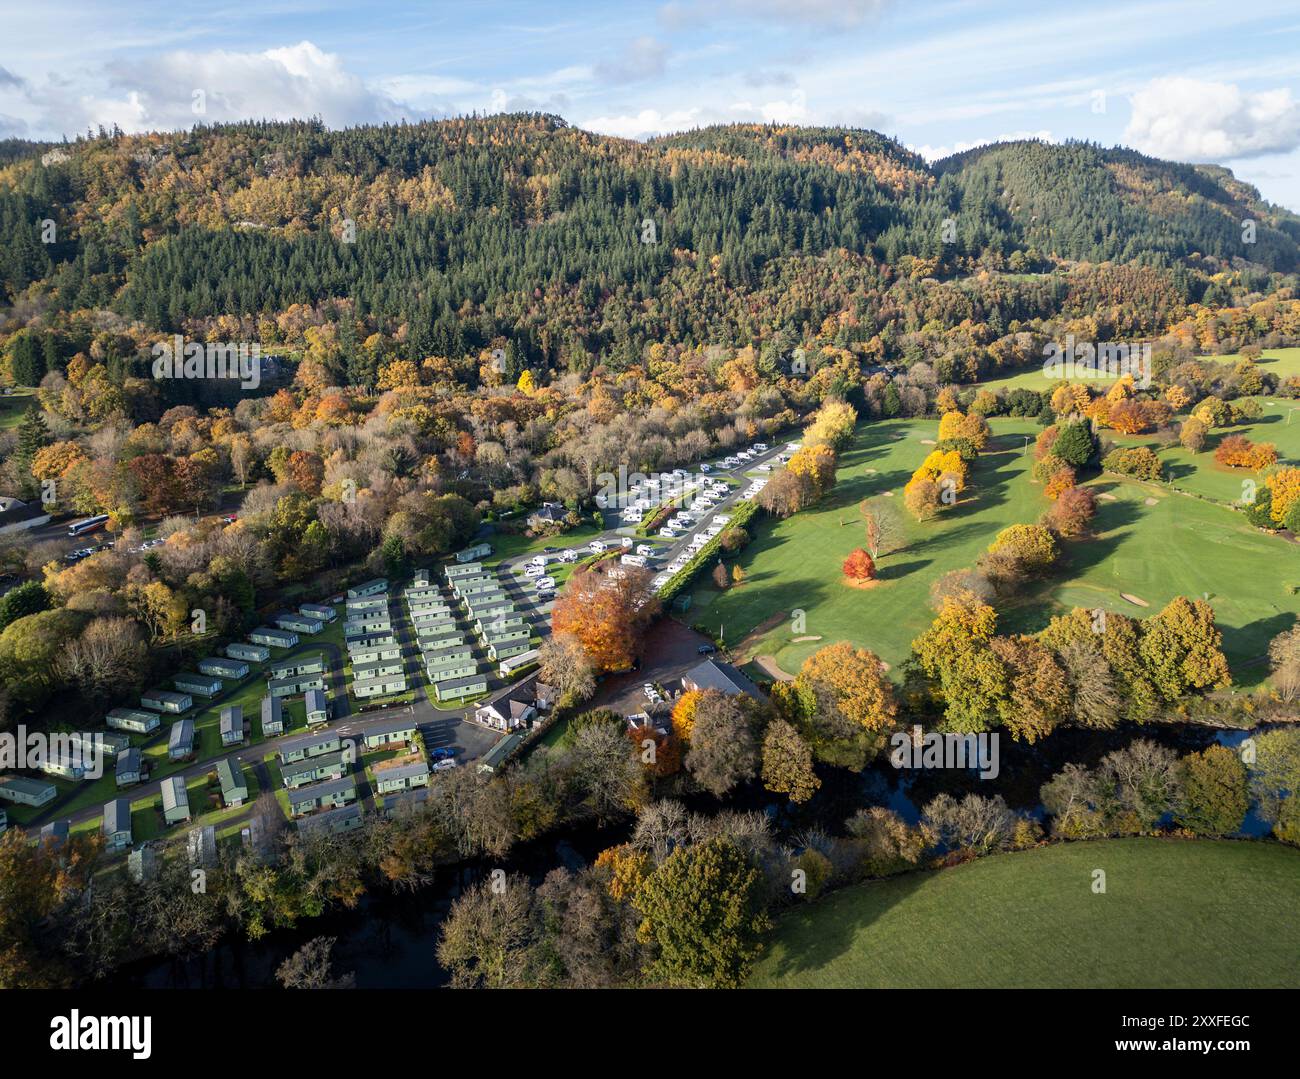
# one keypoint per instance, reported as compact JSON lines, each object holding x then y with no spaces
{"x":1188,"y":80}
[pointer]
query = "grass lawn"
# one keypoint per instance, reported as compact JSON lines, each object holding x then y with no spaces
{"x":1176,"y":546}
{"x":1201,"y":474}
{"x":514,"y":544}
{"x":1175,"y":914}
{"x":13,"y":406}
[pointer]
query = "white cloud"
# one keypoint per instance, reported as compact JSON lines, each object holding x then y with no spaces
{"x":280,"y":84}
{"x":646,"y":123}
{"x":1191,"y":120}
{"x":643,"y":58}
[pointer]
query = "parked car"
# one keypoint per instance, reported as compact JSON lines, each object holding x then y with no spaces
{"x":444,"y":753}
{"x":706,"y":650}
{"x":442,"y":766}
{"x":706,"y":468}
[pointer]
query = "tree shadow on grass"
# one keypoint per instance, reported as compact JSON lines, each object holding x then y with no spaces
{"x":815,"y":933}
{"x":893,"y":571}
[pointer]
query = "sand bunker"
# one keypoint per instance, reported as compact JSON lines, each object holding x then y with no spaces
{"x":1106,"y":497}
{"x":1150,"y":501}
{"x":888,"y":494}
{"x":1137,"y":600}
{"x":799,"y":640}
{"x":928,"y":442}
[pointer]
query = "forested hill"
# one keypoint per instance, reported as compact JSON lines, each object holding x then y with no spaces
{"x":465,"y":230}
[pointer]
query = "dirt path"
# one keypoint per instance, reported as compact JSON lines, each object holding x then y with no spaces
{"x":768,"y":664}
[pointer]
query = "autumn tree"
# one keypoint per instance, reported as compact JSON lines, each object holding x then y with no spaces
{"x":723,"y":751}
{"x":788,"y":763}
{"x":1214,"y":792}
{"x":843,"y":704}
{"x":859,"y":566}
{"x":564,"y":664}
{"x":703,"y":911}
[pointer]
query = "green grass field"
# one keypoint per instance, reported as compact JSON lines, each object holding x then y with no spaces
{"x":1175,"y":914}
{"x":1175,"y":546}
{"x":1281,"y":362}
{"x":14,"y":405}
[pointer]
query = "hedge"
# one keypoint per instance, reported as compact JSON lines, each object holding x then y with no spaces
{"x":740,"y":514}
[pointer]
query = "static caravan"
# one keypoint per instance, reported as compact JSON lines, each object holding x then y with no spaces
{"x":370,"y":588}
{"x":364,"y":672}
{"x":388,"y":732}
{"x":499,"y":753}
{"x":164,"y":700}
{"x":318,"y":710}
{"x":117,"y":824}
{"x":201,"y":845}
{"x":63,"y":765}
{"x":477,"y":587}
{"x":459,"y":688}
{"x":430,"y":602}
{"x":312,"y":744}
{"x":356,"y":607}
{"x":380,"y":687}
{"x":435,"y":656}
{"x":222,"y":667}
{"x":371,"y":622}
{"x":432,"y":615}
{"x":490,"y":623}
{"x":272,"y":716}
{"x":312,"y":664}
{"x":471,"y":554}
{"x":516,"y":663}
{"x":105,"y":742}
{"x":26,"y":792}
{"x":135,"y":720}
{"x":420,"y":591}
{"x":198,"y":685}
{"x":357,"y":641}
{"x":344,"y":819}
{"x":373,"y":655}
{"x":299,"y":623}
{"x":298,"y":684}
{"x":234,"y":787}
{"x":328,"y":795}
{"x":506,"y":633}
{"x":313,"y":770}
{"x":401,"y":777}
{"x":439,"y":640}
{"x":130,"y":767}
{"x":232,"y":725}
{"x":319,"y":611}
{"x":452,"y":668}
{"x":421,"y":576}
{"x":499,"y":650}
{"x":273,"y":638}
{"x":465,"y":569}
{"x":254,"y":653}
{"x":175,"y":800}
{"x":180,"y":742}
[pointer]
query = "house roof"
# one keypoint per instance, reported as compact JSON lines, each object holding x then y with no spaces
{"x":272,"y":708}
{"x":129,"y":760}
{"x":722,"y":677}
{"x":229,"y":776}
{"x":174,"y":792}
{"x":402,"y":771}
{"x":389,"y":726}
{"x":315,"y":700}
{"x":306,"y":741}
{"x":182,"y":733}
{"x":117,"y":816}
{"x":323,"y":790}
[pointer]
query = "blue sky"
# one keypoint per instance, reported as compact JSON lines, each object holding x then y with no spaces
{"x":1182,"y":79}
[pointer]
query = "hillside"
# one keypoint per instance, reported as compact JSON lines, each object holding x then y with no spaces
{"x":525,"y":228}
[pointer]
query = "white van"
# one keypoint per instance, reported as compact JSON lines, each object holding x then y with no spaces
{"x":545,"y":584}
{"x":644,"y":549}
{"x":598,"y":546}
{"x":633,"y":560}
{"x":534,"y":570}
{"x":627,"y":541}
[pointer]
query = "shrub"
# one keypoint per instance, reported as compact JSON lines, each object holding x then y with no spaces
{"x":1136,"y":461}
